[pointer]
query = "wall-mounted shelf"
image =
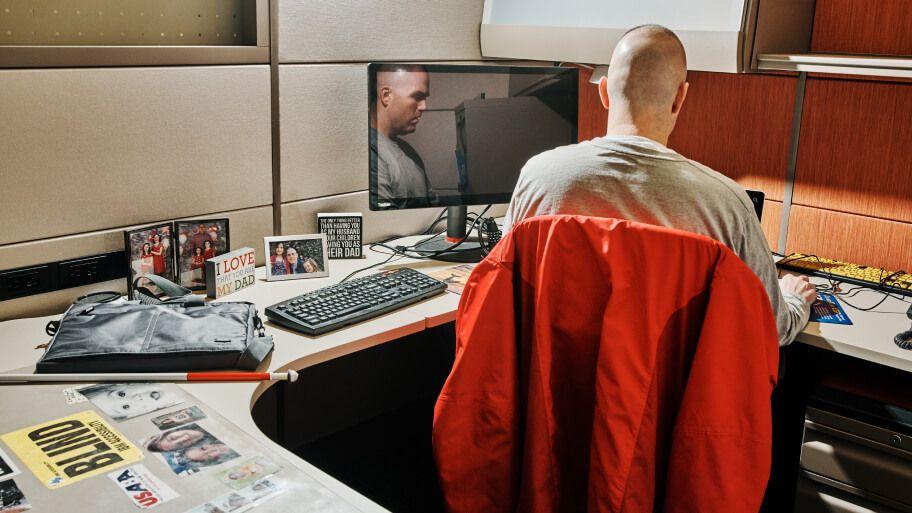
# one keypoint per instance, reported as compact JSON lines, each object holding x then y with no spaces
{"x":881,"y":66}
{"x":79,"y":56}
{"x":71,"y":33}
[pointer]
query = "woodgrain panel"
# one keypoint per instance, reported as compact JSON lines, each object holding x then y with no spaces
{"x":248,"y":227}
{"x":771,"y":222}
{"x":854,"y":150}
{"x":739,"y":125}
{"x":89,"y":149}
{"x":363,"y":30}
{"x":593,"y":118}
{"x":863,"y":27}
{"x":851,"y":238}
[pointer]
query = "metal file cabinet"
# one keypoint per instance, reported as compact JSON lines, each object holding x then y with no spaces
{"x":856,"y":456}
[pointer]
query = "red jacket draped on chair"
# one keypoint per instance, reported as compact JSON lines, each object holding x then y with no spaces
{"x":608,"y":366}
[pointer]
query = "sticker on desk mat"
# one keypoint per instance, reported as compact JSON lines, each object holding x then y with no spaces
{"x":67,"y":450}
{"x":455,"y":277}
{"x":828,"y":310}
{"x":122,"y":401}
{"x":247,"y":472}
{"x":189,"y":449}
{"x":243,"y":499}
{"x":73,"y":396}
{"x":7,"y":468}
{"x":178,"y":418}
{"x":144,"y":489}
{"x":12,"y":500}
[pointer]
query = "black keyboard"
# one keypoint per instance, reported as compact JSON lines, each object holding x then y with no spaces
{"x":346,"y":303}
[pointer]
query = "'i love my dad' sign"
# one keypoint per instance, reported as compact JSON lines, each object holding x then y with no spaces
{"x":230,"y":272}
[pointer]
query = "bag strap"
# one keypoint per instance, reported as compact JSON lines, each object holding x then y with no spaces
{"x":176,"y":294}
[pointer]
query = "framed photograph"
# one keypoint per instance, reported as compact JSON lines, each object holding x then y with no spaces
{"x":199,"y":240}
{"x":150,"y":250}
{"x":290,"y":257}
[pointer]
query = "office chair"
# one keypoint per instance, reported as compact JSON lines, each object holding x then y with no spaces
{"x":606,"y":365}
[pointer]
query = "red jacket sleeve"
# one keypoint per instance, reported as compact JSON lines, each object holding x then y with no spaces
{"x":722,"y":439}
{"x":477,"y":441}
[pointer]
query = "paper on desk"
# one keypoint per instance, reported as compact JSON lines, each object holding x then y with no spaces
{"x":455,"y":277}
{"x":12,"y":500}
{"x":144,"y":489}
{"x":55,"y":451}
{"x":7,"y":468}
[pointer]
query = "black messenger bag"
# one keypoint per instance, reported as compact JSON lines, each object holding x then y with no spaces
{"x":177,"y":335}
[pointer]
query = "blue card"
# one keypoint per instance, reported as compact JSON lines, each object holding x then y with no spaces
{"x":827,"y":309}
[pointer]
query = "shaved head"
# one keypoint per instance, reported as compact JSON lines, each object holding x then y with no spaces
{"x":400,"y":98}
{"x":646,"y":69}
{"x":647,"y":78}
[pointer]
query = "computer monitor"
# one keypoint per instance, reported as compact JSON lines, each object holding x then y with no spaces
{"x":458,"y":135}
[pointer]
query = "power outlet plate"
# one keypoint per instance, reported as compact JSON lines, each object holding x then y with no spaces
{"x":25,"y":282}
{"x":88,"y":270}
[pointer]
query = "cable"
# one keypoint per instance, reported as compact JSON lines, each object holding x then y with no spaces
{"x":343,"y":280}
{"x":403,"y":251}
{"x":421,"y":254}
{"x":442,"y":215}
{"x":834,"y":282}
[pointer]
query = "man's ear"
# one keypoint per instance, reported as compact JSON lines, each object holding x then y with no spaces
{"x":603,"y":91}
{"x":679,"y":98}
{"x":385,"y":95}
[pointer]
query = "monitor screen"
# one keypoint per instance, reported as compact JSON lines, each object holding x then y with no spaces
{"x":447,"y":135}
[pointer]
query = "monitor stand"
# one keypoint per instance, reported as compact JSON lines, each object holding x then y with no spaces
{"x":467,"y":252}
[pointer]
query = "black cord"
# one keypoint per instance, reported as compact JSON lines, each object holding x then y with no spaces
{"x":834,"y":282}
{"x":421,"y":254}
{"x":343,"y":280}
{"x":442,"y":215}
{"x":403,"y":251}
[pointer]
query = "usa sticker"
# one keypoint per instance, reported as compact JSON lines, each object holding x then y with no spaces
{"x":73,"y":396}
{"x":144,"y":489}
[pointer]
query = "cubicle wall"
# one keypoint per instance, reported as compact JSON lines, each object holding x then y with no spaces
{"x":851,"y":192}
{"x":88,"y":152}
{"x":324,"y":47}
{"x":92,"y":149}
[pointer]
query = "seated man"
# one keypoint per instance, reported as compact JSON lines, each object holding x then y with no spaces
{"x":631,"y":174}
{"x":397,"y":105}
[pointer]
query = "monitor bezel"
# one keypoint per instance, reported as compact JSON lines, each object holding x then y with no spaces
{"x":474,"y":199}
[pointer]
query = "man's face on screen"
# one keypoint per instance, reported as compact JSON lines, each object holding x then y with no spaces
{"x":403,"y":98}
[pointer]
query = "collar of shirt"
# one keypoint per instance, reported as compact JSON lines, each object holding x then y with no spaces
{"x":637,"y":145}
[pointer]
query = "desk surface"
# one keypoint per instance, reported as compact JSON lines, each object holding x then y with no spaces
{"x":870,"y":338}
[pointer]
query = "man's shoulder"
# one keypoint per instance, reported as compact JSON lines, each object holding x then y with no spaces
{"x":727,"y":189}
{"x":559,"y":158}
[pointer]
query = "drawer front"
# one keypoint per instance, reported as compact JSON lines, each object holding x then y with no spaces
{"x":857,"y":462}
{"x":814,"y":496}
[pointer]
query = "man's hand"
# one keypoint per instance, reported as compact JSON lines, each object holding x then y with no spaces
{"x":798,"y":284}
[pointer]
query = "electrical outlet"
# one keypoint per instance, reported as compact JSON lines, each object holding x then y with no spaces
{"x":15,"y":283}
{"x":80,"y":272}
{"x":88,"y":270}
{"x":25,"y":282}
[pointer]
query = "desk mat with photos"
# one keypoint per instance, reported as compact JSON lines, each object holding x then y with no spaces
{"x":120,"y":447}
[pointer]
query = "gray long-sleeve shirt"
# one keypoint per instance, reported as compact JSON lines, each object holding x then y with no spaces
{"x":401,"y":178}
{"x":635,"y":178}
